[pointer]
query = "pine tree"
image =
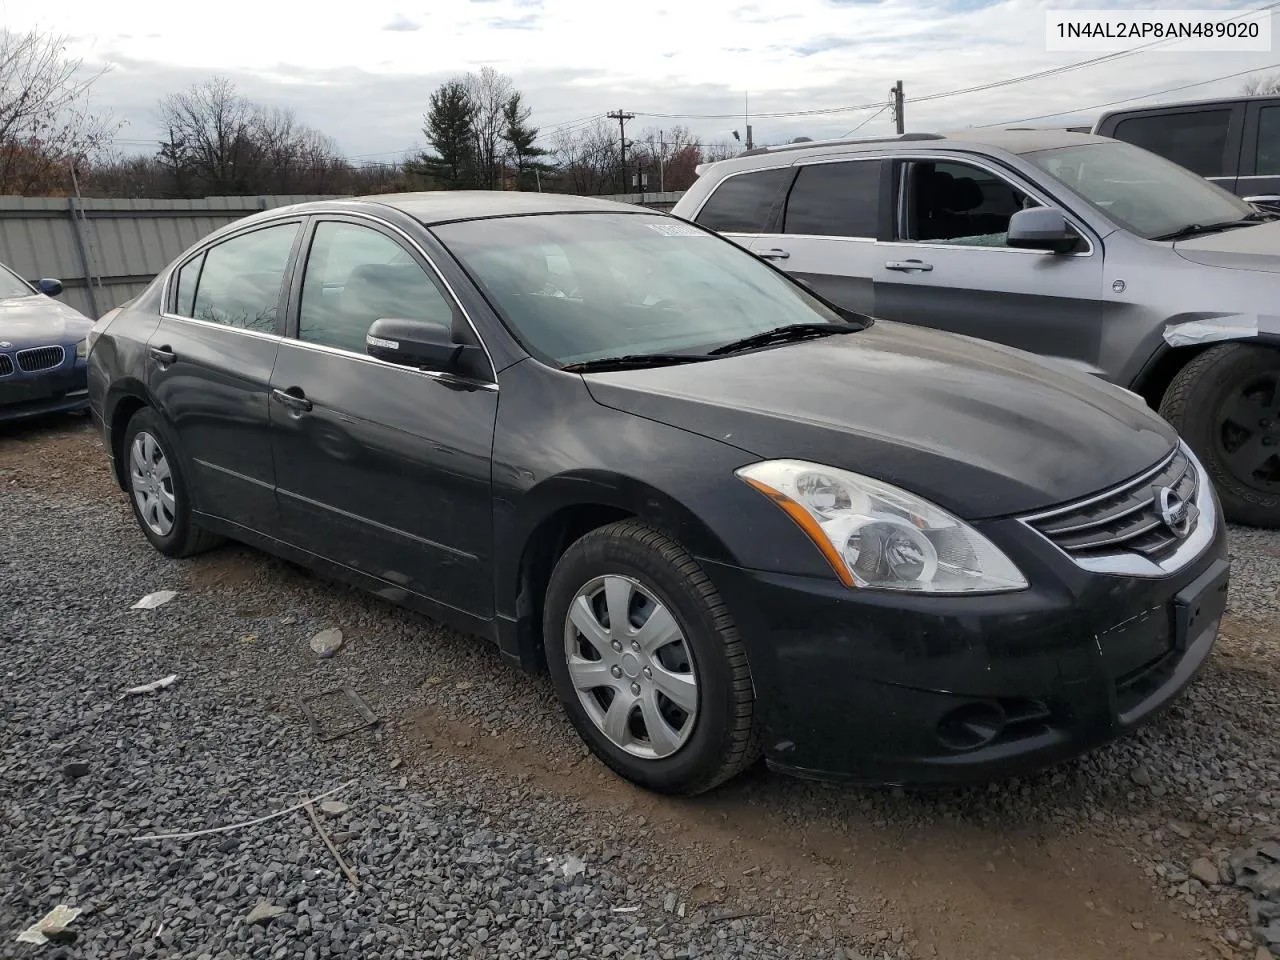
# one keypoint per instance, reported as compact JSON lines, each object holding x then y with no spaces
{"x":521,"y":140}
{"x":448,"y":130}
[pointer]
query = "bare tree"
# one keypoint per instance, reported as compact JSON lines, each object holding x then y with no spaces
{"x":489,"y":92}
{"x":1261,"y":86}
{"x":46,"y":125}
{"x":587,"y":158}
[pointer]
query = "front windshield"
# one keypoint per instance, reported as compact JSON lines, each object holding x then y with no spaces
{"x":11,"y":285}
{"x":1141,"y":191}
{"x":581,"y":287}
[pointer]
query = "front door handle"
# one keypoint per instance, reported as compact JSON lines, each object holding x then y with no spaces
{"x":294,"y":398}
{"x":774,"y":254}
{"x":909,"y":266}
{"x":163,"y":354}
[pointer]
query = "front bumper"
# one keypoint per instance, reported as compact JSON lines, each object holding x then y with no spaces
{"x":59,"y":390}
{"x":891,"y":688}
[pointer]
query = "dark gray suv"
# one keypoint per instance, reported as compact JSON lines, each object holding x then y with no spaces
{"x":1080,"y":248}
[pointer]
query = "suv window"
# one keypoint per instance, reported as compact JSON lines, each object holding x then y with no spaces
{"x":1268,"y":157}
{"x":1196,"y":140}
{"x":356,"y":275}
{"x":835,"y":199}
{"x":958,"y":203}
{"x":741,"y":203}
{"x":242,"y":277}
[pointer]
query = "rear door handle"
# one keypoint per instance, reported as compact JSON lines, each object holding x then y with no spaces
{"x":162,"y":354}
{"x":293,"y":398}
{"x":774,"y":254}
{"x":909,"y":266}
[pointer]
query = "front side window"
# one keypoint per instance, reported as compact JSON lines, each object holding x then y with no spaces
{"x":1197,"y":141}
{"x":579,"y":287}
{"x":835,"y":199}
{"x":741,"y":204}
{"x":960,"y":204}
{"x":240,"y":285}
{"x":1268,"y":157}
{"x":11,"y":285}
{"x":1140,"y":191}
{"x":356,"y":275}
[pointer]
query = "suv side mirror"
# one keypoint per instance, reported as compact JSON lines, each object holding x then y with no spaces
{"x":425,"y":345}
{"x":1041,"y":228}
{"x":49,"y":287}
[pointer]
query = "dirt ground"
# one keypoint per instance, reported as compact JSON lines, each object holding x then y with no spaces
{"x":937,"y":877}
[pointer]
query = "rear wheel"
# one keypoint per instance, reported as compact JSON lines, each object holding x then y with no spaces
{"x":647,"y":661}
{"x":158,"y":490}
{"x":1226,"y":404}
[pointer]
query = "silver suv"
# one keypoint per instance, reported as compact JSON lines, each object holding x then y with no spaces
{"x":1080,"y":248}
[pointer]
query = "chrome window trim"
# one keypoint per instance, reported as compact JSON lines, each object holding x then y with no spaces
{"x":337,"y":217}
{"x":438,"y":375}
{"x":1002,"y":174}
{"x":1127,"y":564}
{"x":720,"y":183}
{"x":222,"y":326}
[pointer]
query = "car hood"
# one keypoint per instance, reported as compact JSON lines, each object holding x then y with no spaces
{"x":1245,"y":248}
{"x":979,"y":429}
{"x":39,"y":320}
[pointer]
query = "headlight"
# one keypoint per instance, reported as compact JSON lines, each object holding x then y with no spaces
{"x":82,"y":349}
{"x":876,"y":535}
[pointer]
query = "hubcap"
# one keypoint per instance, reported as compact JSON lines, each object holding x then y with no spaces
{"x":151,"y":481}
{"x":1248,"y":435}
{"x":631,"y":666}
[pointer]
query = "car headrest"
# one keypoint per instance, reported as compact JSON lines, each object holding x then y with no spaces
{"x":963,"y":195}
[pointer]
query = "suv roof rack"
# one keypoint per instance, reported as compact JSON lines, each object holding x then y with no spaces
{"x":804,"y":145}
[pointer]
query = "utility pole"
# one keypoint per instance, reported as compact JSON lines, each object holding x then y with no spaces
{"x":746,"y":117}
{"x":896,"y":92}
{"x":622,"y":119}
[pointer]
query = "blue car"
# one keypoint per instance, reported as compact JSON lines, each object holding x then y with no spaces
{"x":42,"y":350}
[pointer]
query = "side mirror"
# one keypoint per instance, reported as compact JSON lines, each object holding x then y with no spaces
{"x":49,"y":287}
{"x":425,"y":345}
{"x":1041,"y":228}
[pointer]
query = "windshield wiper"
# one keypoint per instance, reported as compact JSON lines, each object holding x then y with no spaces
{"x":1195,"y":229}
{"x":632,"y":361}
{"x":791,"y":333}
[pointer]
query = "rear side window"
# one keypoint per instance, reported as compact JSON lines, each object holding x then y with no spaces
{"x":187,"y":277}
{"x":242,"y":278}
{"x":741,"y":203}
{"x":835,"y":200}
{"x":1197,"y":141}
{"x":1268,"y":159}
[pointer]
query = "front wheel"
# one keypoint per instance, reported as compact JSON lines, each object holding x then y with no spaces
{"x":1226,"y":405}
{"x":647,"y":661}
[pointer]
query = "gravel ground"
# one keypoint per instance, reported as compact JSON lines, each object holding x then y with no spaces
{"x":473,"y":794}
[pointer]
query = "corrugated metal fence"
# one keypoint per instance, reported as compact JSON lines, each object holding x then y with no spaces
{"x":106,"y":251}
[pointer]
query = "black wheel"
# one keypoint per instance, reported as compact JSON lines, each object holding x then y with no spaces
{"x":1226,"y":404}
{"x":647,"y":662}
{"x":158,"y":489}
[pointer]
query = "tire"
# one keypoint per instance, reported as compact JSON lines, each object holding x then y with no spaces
{"x":153,"y":475}
{"x":1227,"y":401}
{"x":715,"y":740}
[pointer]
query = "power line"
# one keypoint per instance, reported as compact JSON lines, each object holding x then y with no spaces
{"x":1141,"y":96}
{"x":865,"y":122}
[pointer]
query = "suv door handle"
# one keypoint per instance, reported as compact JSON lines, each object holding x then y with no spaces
{"x":163,"y":354}
{"x":908,"y":266}
{"x":774,"y":254}
{"x":294,"y":398}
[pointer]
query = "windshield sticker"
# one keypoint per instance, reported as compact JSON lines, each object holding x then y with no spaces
{"x":675,"y":229}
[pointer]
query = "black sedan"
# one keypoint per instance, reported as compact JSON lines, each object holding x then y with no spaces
{"x":43,"y":345}
{"x":728,"y":517}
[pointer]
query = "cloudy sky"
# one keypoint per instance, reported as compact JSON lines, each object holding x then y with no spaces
{"x":363,"y":73}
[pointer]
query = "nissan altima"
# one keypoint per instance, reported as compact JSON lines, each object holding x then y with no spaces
{"x":728,"y":517}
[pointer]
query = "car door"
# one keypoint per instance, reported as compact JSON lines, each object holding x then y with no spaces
{"x":826,"y":232}
{"x":948,"y":265}
{"x":382,"y":468}
{"x":1260,"y":157}
{"x":209,"y":364}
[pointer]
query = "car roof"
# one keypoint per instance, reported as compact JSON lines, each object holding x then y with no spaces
{"x":1182,"y":104}
{"x":443,"y":206}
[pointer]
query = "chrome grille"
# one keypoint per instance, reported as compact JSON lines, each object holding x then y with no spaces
{"x":40,"y":358}
{"x":1127,"y":519}
{"x":6,"y":364}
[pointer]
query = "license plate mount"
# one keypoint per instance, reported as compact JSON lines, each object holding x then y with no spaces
{"x":1201,"y":601}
